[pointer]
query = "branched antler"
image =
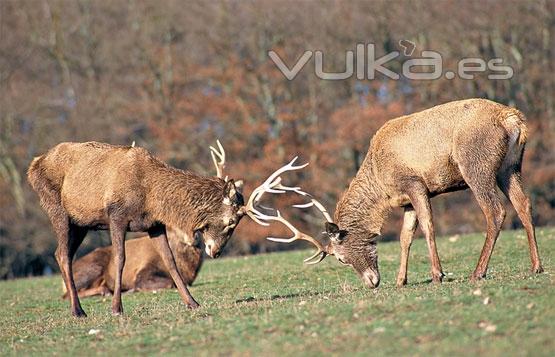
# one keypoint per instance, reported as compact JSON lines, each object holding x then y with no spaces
{"x":220,"y":153}
{"x":273,"y":185}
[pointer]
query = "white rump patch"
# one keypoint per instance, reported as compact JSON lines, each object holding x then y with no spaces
{"x":513,"y":151}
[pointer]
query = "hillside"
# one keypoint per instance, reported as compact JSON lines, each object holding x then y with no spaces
{"x":272,"y":304}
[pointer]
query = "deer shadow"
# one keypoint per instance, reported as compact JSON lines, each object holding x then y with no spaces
{"x":430,"y":281}
{"x":275,"y":297}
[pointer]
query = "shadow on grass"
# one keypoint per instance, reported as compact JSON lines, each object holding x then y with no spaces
{"x":281,"y":297}
{"x":430,"y":282}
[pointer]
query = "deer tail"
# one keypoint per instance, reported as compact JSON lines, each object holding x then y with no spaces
{"x":33,"y":173}
{"x":514,"y":121}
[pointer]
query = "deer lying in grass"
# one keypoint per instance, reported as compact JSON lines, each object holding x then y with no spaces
{"x":96,"y":186}
{"x":475,"y":143}
{"x":144,"y":270}
{"x":94,"y":274}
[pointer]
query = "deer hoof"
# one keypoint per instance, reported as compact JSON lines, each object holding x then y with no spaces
{"x":476,"y":276}
{"x":437,"y":277}
{"x":193,"y":305}
{"x":117,"y":311}
{"x":79,"y":313}
{"x":537,"y":270}
{"x":401,"y":282}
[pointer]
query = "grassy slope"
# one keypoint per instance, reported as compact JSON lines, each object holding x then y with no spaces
{"x":272,"y":304}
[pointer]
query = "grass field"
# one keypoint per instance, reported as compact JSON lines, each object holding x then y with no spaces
{"x":272,"y":304}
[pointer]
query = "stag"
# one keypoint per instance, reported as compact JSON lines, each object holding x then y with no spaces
{"x":474,"y":143}
{"x":97,"y":186}
{"x":94,"y":274}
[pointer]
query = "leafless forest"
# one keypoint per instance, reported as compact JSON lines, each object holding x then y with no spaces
{"x":174,"y":76}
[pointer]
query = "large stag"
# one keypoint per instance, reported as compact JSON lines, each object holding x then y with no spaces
{"x":144,"y":270}
{"x":474,"y":143}
{"x":96,"y":186}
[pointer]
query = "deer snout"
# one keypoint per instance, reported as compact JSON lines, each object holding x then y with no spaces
{"x":371,"y":278}
{"x":211,"y":249}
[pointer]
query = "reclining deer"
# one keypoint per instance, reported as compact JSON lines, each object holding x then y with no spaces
{"x":144,"y":270}
{"x":97,"y":186}
{"x":474,"y":143}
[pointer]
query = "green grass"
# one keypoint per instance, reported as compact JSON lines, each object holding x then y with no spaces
{"x":272,"y":304}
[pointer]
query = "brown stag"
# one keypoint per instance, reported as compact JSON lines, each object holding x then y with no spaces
{"x":97,"y":186}
{"x":144,"y":270}
{"x":474,"y":143}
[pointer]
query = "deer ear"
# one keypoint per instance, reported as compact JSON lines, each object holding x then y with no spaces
{"x":331,"y":228}
{"x":334,"y":233}
{"x":239,"y":186}
{"x":197,"y":238}
{"x":230,"y":192}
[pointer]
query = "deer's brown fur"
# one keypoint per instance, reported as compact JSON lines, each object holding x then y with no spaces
{"x":84,"y":186}
{"x":474,"y":143}
{"x":144,"y":270}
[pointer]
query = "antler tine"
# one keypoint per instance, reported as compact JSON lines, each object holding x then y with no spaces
{"x":297,"y":235}
{"x":318,"y":205}
{"x":273,"y":185}
{"x":220,"y":153}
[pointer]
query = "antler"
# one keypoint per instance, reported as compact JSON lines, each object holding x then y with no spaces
{"x":220,"y":165}
{"x":319,"y":206}
{"x":273,"y":185}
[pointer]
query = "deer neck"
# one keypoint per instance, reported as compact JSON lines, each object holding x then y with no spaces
{"x":364,"y":207}
{"x":182,"y":199}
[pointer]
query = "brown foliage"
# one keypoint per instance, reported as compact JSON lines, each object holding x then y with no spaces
{"x":174,"y":78}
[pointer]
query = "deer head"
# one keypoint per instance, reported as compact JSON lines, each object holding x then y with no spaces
{"x":216,"y":231}
{"x":344,"y":245}
{"x":360,"y":254}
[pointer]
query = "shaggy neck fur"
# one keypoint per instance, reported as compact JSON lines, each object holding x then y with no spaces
{"x":364,"y":207}
{"x":183,"y":199}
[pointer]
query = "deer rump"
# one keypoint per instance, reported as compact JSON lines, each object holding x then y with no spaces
{"x":144,"y":270}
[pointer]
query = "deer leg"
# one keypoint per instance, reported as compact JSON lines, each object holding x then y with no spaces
{"x":64,"y":259}
{"x":51,"y":201}
{"x":101,"y":290}
{"x":421,"y":203}
{"x":479,"y":165}
{"x":410,"y":222}
{"x":76,"y":236}
{"x":494,"y":212}
{"x":117,"y":233}
{"x":158,"y":235}
{"x":511,"y":185}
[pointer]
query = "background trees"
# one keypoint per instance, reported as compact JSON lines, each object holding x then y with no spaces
{"x":175,"y":76}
